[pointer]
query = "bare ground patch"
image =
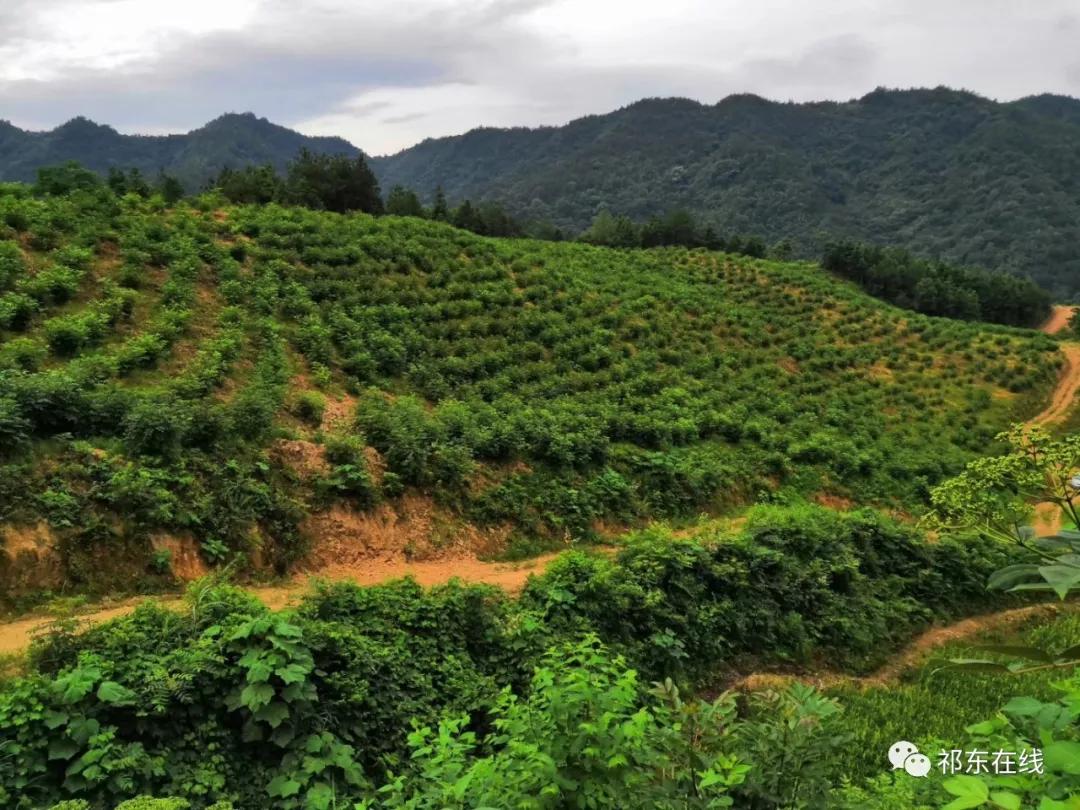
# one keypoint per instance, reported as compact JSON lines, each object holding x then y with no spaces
{"x":411,"y":528}
{"x":33,"y":560}
{"x":185,"y":561}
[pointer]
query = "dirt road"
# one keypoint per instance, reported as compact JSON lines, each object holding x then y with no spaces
{"x":15,"y":636}
{"x":1048,"y":517}
{"x":1067,"y":387}
{"x":910,"y":656}
{"x":1058,"y":319}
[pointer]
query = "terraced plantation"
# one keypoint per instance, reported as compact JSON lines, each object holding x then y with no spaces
{"x":184,"y":387}
{"x":733,"y":456}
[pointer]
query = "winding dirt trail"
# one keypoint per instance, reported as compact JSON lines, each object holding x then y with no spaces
{"x":909,"y":657}
{"x":1048,"y":517}
{"x":1058,"y":320}
{"x":1067,"y":387}
{"x":15,"y":636}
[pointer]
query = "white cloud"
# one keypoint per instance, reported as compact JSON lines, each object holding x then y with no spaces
{"x":386,"y":74}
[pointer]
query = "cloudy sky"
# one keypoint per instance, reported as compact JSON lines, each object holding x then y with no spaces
{"x":388,"y":73}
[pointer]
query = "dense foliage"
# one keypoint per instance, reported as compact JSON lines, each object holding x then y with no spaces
{"x":937,"y":288}
{"x":944,"y":173}
{"x":152,"y":358}
{"x":340,"y":700}
{"x":324,"y":182}
{"x":678,"y":227}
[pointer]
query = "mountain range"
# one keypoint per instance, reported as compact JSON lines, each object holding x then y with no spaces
{"x":232,"y":140}
{"x":943,"y":172}
{"x":946,"y":173}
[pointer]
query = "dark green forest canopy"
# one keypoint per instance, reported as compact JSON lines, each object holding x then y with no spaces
{"x":944,"y":173}
{"x":150,"y":358}
{"x":937,"y":288}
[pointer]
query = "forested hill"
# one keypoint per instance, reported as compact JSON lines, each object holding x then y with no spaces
{"x":222,"y":379}
{"x":942,"y":172}
{"x":231,"y":140}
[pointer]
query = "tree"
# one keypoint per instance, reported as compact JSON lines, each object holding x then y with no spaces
{"x":169,"y":187}
{"x":403,"y":202}
{"x":63,"y":179}
{"x":122,"y":182}
{"x":612,"y":231}
{"x":782,"y":250}
{"x":466,"y":216}
{"x":333,"y":183}
{"x":251,"y":184}
{"x":439,"y":210}
{"x":494,"y":221}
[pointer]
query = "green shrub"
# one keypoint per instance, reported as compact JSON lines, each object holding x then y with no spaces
{"x":349,"y":473}
{"x":15,"y":428}
{"x":157,"y":425}
{"x":309,"y":406}
{"x":12,"y":264}
{"x":23,"y":353}
{"x":55,"y":284}
{"x":16,"y":310}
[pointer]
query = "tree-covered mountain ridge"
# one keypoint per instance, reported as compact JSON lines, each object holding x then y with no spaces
{"x":946,"y":173}
{"x":231,"y":140}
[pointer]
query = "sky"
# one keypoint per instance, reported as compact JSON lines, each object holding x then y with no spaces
{"x":385,"y":74}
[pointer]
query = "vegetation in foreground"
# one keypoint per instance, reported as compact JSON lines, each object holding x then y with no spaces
{"x":153,"y":359}
{"x":392,"y":695}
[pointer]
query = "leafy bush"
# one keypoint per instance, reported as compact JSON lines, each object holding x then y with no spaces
{"x":309,"y":406}
{"x":14,"y":427}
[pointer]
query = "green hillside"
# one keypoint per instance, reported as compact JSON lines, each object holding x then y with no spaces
{"x":220,"y":374}
{"x":948,"y":174}
{"x":195,"y":157}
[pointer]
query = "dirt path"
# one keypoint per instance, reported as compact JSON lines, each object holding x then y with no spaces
{"x":1048,"y":517}
{"x":15,"y":636}
{"x":1067,"y":386}
{"x":911,"y":656}
{"x":1058,"y":319}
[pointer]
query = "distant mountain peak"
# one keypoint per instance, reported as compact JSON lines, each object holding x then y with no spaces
{"x":80,"y":123}
{"x":233,"y":140}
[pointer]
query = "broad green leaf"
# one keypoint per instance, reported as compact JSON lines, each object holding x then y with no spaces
{"x":293,"y":673}
{"x":1017,"y":651}
{"x":1061,"y":578}
{"x":273,"y":714}
{"x":81,"y":729}
{"x":320,"y":796}
{"x":975,"y":665}
{"x":78,"y":683}
{"x":1011,"y":575}
{"x":54,"y":719}
{"x":283,"y":786}
{"x":1023,"y":706}
{"x":1006,"y":801}
{"x":115,"y":694}
{"x":970,"y":791}
{"x":63,"y":749}
{"x":1063,"y":757}
{"x":256,"y":695}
